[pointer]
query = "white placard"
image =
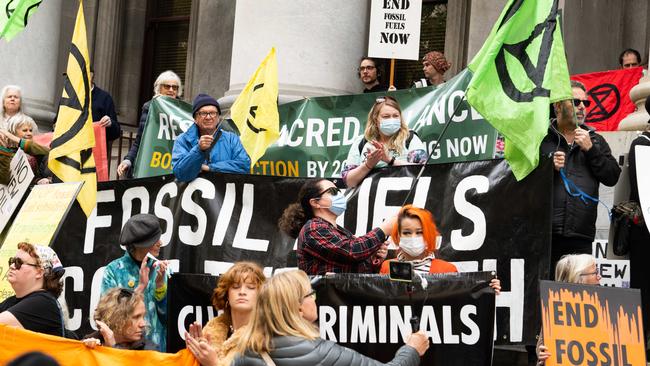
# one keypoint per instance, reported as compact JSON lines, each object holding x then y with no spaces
{"x":643,"y":179}
{"x":395,"y":29}
{"x":12,"y":193}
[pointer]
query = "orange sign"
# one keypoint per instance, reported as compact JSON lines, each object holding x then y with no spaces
{"x":592,"y":325}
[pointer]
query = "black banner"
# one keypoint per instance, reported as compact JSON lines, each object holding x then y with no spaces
{"x":371,"y":314}
{"x":488,"y":221}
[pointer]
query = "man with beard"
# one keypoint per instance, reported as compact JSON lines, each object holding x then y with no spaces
{"x":583,"y":157}
{"x":369,"y":75}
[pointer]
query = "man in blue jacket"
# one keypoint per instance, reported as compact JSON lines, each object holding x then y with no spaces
{"x":206,"y":147}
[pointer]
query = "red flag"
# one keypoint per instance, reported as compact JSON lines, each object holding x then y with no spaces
{"x":609,"y":94}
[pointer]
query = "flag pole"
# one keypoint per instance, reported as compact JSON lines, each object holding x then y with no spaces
{"x":435,"y":146}
{"x":392,"y":72}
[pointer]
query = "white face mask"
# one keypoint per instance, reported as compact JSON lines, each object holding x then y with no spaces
{"x":413,"y":246}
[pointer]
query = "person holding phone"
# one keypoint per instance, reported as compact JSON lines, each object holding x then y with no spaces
{"x":141,"y":235}
{"x":282,"y":331}
{"x":325,"y":247}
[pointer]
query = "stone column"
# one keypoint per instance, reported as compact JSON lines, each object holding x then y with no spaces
{"x":106,"y":54}
{"x":638,"y":120}
{"x":30,"y":60}
{"x":318,"y":43}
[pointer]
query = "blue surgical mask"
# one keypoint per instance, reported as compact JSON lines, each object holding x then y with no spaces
{"x":389,"y":126}
{"x":339,"y":204}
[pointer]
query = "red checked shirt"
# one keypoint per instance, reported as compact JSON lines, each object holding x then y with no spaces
{"x":323,"y":247}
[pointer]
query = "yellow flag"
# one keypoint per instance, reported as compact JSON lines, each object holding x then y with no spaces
{"x":255,"y":112}
{"x":71,"y":158}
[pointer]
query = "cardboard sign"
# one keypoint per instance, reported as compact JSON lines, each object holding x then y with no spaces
{"x":613,"y":272}
{"x":11,"y":194}
{"x":395,"y":29}
{"x":591,"y":325}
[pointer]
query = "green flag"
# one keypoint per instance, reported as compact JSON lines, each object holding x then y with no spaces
{"x":14,"y":15}
{"x":518,"y":72}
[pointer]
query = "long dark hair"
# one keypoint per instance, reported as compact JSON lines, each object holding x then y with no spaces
{"x":298,"y":213}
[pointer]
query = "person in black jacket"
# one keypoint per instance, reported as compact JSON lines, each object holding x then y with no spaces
{"x":586,"y":160}
{"x":640,"y":236}
{"x":103,"y":109}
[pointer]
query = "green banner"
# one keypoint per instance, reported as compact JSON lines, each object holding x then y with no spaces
{"x":317,"y":133}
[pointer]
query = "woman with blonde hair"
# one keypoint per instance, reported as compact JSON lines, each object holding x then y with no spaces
{"x":167,"y":84}
{"x":387,"y":141}
{"x":572,"y":268}
{"x":120,"y":319}
{"x":282,"y":331}
{"x":235,"y":295}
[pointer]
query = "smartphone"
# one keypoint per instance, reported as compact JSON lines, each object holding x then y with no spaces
{"x":400,"y":271}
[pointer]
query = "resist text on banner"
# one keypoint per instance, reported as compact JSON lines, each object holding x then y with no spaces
{"x":592,"y":325}
{"x":21,"y":176}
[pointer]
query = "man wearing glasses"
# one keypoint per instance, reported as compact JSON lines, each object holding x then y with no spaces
{"x":369,"y":75}
{"x":206,"y":147}
{"x":582,"y":157}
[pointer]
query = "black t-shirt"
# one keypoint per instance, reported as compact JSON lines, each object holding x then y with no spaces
{"x":38,"y":312}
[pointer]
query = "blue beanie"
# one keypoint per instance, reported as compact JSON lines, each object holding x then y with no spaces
{"x":201,"y":101}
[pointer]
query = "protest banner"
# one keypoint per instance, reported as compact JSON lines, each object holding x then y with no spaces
{"x":370,"y":313}
{"x":218,"y":219}
{"x":38,"y":221}
{"x":317,"y":133}
{"x":15,"y":342}
{"x":591,"y":325}
{"x":613,"y":272}
{"x":394,"y":30}
{"x":608,"y":93}
{"x":21,"y":176}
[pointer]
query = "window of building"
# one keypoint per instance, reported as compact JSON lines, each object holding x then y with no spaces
{"x":166,"y":36}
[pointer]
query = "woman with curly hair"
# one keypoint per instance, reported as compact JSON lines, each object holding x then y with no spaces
{"x":236,"y":295}
{"x":35,"y":276}
{"x":120,"y":321}
{"x":387,"y":141}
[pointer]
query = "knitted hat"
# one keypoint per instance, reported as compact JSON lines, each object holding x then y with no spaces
{"x":141,"y":231}
{"x":201,"y":101}
{"x":438,"y":60}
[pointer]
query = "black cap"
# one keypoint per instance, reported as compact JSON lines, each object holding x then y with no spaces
{"x":141,"y":231}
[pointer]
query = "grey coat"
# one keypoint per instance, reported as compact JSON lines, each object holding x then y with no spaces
{"x":296,"y":351}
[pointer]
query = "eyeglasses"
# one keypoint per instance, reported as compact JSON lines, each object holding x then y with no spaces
{"x":205,"y":114}
{"x":364,"y":68}
{"x":169,"y":86}
{"x":311,"y":294}
{"x":17,"y":262}
{"x":331,"y":190}
{"x":576,"y":102}
{"x":125,"y":293}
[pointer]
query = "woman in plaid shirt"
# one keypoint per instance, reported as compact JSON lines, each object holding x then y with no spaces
{"x":325,"y":247}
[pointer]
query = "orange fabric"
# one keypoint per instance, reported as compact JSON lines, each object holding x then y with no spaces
{"x":99,"y":150}
{"x":14,"y":342}
{"x":437,"y":266}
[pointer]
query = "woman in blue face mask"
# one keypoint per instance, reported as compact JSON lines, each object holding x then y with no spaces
{"x":387,"y":141}
{"x":324,"y":246}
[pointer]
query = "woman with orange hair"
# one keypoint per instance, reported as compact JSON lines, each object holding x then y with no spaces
{"x":416,"y":235}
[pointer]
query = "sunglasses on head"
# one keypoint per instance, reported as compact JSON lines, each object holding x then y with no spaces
{"x":331,"y":190}
{"x":124,"y":294}
{"x":576,"y":102}
{"x":17,"y":262}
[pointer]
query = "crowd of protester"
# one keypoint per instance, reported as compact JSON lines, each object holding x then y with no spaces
{"x":271,"y":320}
